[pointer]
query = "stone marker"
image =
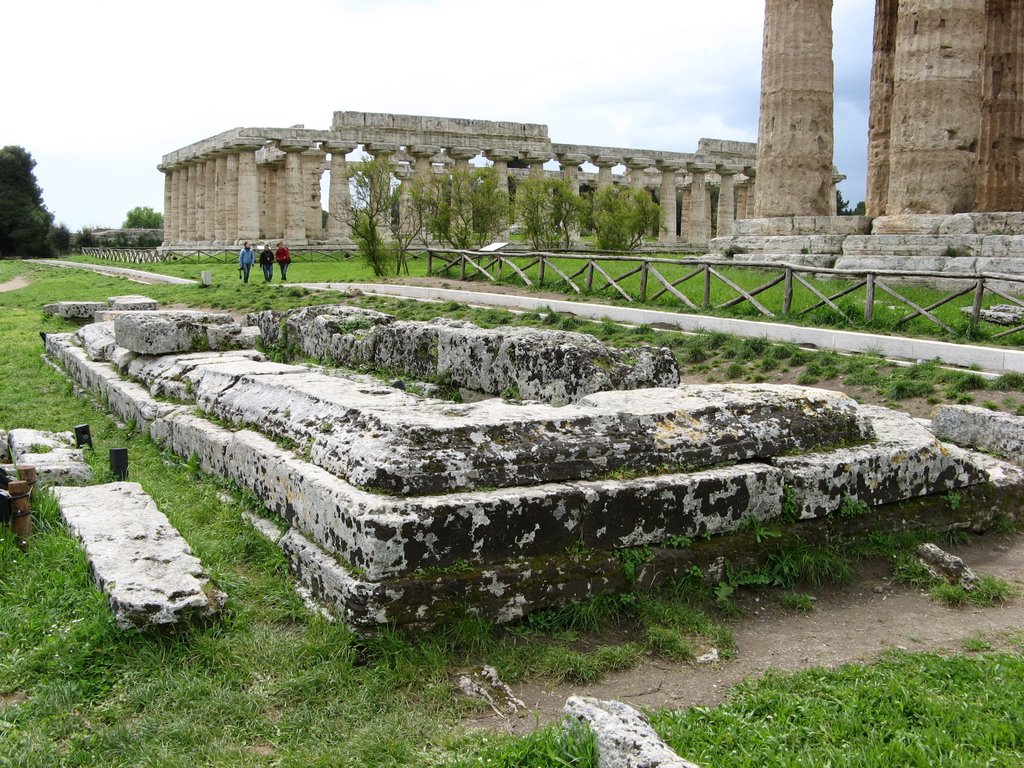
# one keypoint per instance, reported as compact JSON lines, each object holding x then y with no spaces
{"x":151,"y":577}
{"x":625,"y":738}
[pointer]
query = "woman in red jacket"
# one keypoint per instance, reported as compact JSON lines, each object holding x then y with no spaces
{"x":283,"y":260}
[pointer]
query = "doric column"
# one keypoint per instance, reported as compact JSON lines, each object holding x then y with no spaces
{"x":247,"y":201}
{"x":740,"y":192}
{"x":210,"y":199}
{"x":700,"y":212}
{"x":462,"y":156}
{"x":571,"y":169}
{"x":423,"y":160}
{"x":667,"y":231}
{"x":727,"y":198}
{"x":180,"y":186}
{"x":936,"y":106}
{"x":220,"y":199}
{"x":536,"y":161}
{"x":751,"y":173}
{"x":168,"y":200}
{"x":604,"y":169}
{"x":1001,"y":150}
{"x":231,"y":196}
{"x":637,"y":165}
{"x":500,"y":158}
{"x":836,"y":178}
{"x":199,"y":171}
{"x":795,"y":133}
{"x":312,"y":170}
{"x":279,"y":185}
{"x":684,"y":211}
{"x":880,"y":121}
{"x":295,"y":213}
{"x":190,"y":202}
{"x":338,"y":195}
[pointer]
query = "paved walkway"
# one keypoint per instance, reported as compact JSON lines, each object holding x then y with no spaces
{"x":993,"y":359}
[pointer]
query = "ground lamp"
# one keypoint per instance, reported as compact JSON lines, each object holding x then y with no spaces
{"x":119,"y":463}
{"x":83,"y":436}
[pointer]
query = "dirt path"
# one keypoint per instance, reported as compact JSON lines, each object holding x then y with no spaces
{"x":13,"y":284}
{"x":854,"y":625}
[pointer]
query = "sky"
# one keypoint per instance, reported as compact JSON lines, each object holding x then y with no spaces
{"x":99,"y":92}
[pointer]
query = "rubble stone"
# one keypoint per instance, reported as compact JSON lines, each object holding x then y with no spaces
{"x":974,"y":427}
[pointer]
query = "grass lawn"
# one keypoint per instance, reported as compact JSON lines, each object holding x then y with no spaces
{"x":272,"y":684}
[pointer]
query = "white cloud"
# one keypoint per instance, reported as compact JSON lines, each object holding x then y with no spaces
{"x":105,"y":89}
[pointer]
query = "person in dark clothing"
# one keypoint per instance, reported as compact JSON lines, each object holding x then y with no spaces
{"x":284,"y":258}
{"x":267,"y":263}
{"x":245,"y":261}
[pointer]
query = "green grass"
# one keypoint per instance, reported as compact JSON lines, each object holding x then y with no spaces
{"x":271,"y":684}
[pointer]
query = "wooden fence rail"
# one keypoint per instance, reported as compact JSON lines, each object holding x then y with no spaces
{"x":596,"y":273}
{"x":207,"y":255}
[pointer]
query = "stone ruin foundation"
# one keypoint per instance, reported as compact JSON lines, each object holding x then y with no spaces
{"x":407,"y":509}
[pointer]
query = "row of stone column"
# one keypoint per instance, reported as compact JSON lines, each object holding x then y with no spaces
{"x":249,"y":191}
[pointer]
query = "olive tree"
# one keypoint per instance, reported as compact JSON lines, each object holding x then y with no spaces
{"x":549,"y":211}
{"x":621,"y":216}
{"x":463,"y":209}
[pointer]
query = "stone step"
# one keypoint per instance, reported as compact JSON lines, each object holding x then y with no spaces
{"x":149,"y":574}
{"x":53,"y":454}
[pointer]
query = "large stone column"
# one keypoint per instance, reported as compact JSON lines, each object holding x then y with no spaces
{"x":338,"y":195}
{"x":637,"y":165}
{"x":1001,"y":149}
{"x":880,"y":120}
{"x":795,"y":136}
{"x":727,"y":198}
{"x":936,"y":107}
{"x":210,"y":198}
{"x":684,"y":211}
{"x":199,"y":171}
{"x":751,"y":173}
{"x":312,"y":170}
{"x":500,"y":158}
{"x":571,"y":169}
{"x":190,"y":203}
{"x":536,"y":161}
{"x":180,"y":186}
{"x":295,"y":212}
{"x":700,"y":214}
{"x":231,"y":196}
{"x":247,"y":201}
{"x":462,"y":156}
{"x":604,"y":170}
{"x":220,"y":203}
{"x":168,"y":201}
{"x":667,"y":231}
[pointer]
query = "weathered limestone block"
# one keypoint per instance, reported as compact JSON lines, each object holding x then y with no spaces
{"x":777,"y":226}
{"x":974,"y":427}
{"x":52,"y":454}
{"x":311,"y":328}
{"x":132,"y":303}
{"x":1003,"y":247}
{"x":164,"y":374}
{"x":824,"y":260}
{"x":484,"y":684}
{"x":942,"y":565}
{"x":905,"y":462}
{"x":167,"y":332}
{"x":232,"y":336}
{"x":97,"y":339}
{"x":74,"y":310}
{"x":999,"y":314}
{"x":915,"y":247}
{"x":4,"y":454}
{"x":130,"y":402}
{"x":151,"y":577}
{"x":92,"y":376}
{"x":625,"y":738}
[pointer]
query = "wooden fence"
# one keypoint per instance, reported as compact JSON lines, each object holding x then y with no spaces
{"x":594,"y":275}
{"x":208,"y":255}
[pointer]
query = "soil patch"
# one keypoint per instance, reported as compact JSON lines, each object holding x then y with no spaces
{"x":852,"y":625}
{"x":13,"y":284}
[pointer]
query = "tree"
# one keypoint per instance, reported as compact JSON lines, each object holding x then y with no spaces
{"x":59,"y":238}
{"x":549,"y":211}
{"x":143,"y":217}
{"x":463,"y":209}
{"x":24,"y":220}
{"x":622,"y":216}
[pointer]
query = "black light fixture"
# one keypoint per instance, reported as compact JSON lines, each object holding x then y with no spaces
{"x":82,"y":435}
{"x":119,"y":463}
{"x":42,"y":335}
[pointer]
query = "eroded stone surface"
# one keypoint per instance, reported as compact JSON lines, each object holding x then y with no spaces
{"x":74,"y":310}
{"x":97,"y":339}
{"x":625,"y":738}
{"x":132,"y":303}
{"x":137,"y":558}
{"x":52,"y":454}
{"x":166,"y":332}
{"x":971,"y":426}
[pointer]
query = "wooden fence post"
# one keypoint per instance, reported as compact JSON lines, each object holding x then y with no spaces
{"x":787,"y":298}
{"x":22,"y":522}
{"x":462,"y":266}
{"x":590,"y":275}
{"x":707,"y":286}
{"x":869,"y":299}
{"x":540,"y":278}
{"x":979,"y":297}
{"x":430,"y":262}
{"x":643,"y":280}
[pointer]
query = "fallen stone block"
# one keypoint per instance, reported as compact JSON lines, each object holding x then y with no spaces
{"x":624,"y":737}
{"x":151,"y":577}
{"x":1000,"y":314}
{"x":906,"y":461}
{"x":53,"y":455}
{"x":947,"y":567}
{"x":74,"y":310}
{"x":132,"y":303}
{"x":97,"y":339}
{"x":974,"y":427}
{"x":485,"y":685}
{"x":167,"y":332}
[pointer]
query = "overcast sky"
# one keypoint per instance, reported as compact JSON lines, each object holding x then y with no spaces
{"x":98,"y":92}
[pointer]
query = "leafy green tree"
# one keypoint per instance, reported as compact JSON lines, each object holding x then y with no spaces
{"x":143,"y":217}
{"x":463,"y":209}
{"x":59,"y":238}
{"x":621,"y":217}
{"x":549,"y":211}
{"x":24,"y":220}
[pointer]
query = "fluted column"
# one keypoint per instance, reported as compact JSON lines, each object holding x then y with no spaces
{"x":604,"y":170}
{"x":179,"y":203}
{"x":751,"y":173}
{"x":667,"y":230}
{"x":795,"y":132}
{"x":279,"y":185}
{"x":1001,"y":150}
{"x":199,"y":171}
{"x":726,"y":198}
{"x":312,"y":170}
{"x":880,"y":120}
{"x":220,"y":201}
{"x":571,"y":169}
{"x":231,"y":196}
{"x":536,"y":161}
{"x":700,"y":213}
{"x":684,"y":211}
{"x":338,"y":195}
{"x":190,"y":203}
{"x":210,"y":200}
{"x":462,"y":156}
{"x":247,"y":199}
{"x":834,"y":200}
{"x":637,"y":165}
{"x":295,"y":213}
{"x":500,"y":158}
{"x":168,"y":200}
{"x":936,"y":107}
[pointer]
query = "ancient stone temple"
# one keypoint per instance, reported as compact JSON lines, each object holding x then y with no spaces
{"x":945,"y":149}
{"x":256,"y":183}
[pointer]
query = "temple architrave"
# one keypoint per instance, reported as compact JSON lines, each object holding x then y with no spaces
{"x":265,"y":183}
{"x":945,"y":149}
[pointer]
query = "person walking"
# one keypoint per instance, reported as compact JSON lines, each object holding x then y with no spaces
{"x":284,"y":258}
{"x":246,"y":258}
{"x":267,"y":263}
